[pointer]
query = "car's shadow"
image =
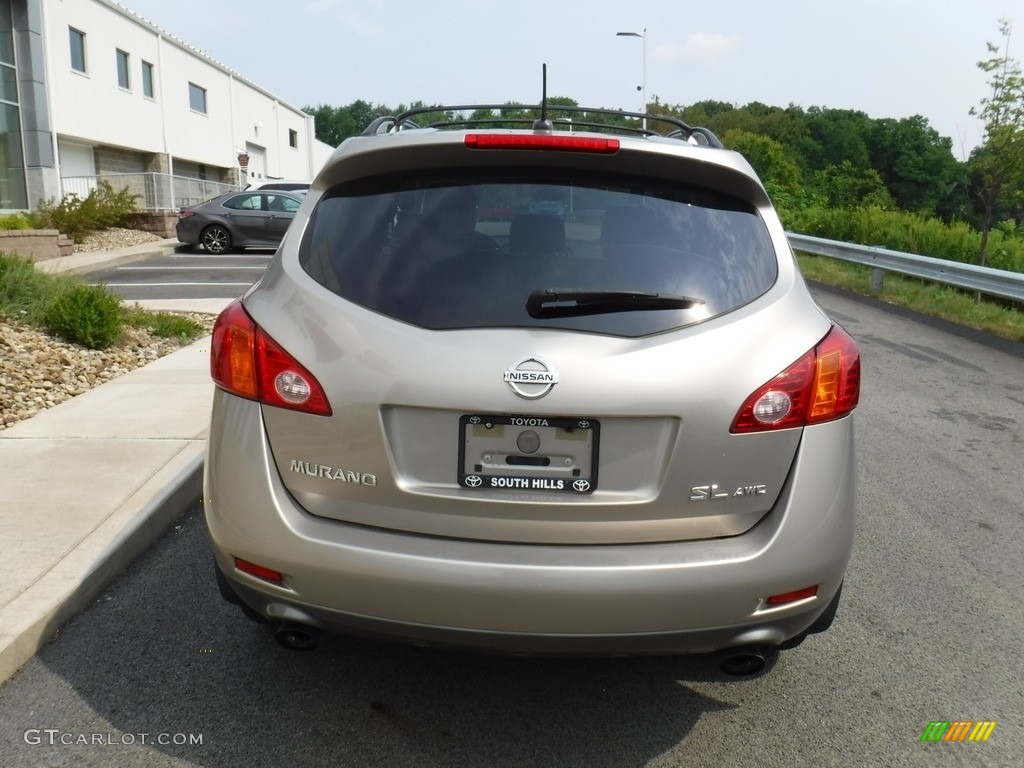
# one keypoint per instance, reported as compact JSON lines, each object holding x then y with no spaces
{"x":198,"y":250}
{"x":160,"y":652}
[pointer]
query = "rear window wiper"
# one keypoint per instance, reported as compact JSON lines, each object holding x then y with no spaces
{"x":570,"y":302}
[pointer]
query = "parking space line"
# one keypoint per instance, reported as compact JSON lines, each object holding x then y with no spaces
{"x":210,"y":284}
{"x":266,"y":257}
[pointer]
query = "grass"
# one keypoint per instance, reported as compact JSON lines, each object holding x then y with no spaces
{"x":999,"y":318}
{"x":166,"y":325}
{"x":89,"y":315}
{"x":23,"y":289}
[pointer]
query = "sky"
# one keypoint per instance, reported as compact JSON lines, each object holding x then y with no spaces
{"x":889,"y":59}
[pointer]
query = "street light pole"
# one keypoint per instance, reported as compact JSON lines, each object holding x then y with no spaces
{"x":643,"y":86}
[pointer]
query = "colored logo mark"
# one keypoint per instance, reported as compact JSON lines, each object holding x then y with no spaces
{"x":958,"y":730}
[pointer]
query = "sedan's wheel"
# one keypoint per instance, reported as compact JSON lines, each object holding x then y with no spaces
{"x":216,"y":239}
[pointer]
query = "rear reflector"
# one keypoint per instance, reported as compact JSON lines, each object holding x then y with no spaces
{"x":823,"y":385}
{"x":258,"y":570}
{"x":548,"y":141}
{"x":792,"y":597}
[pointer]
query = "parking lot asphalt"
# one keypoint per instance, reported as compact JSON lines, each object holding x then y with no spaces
{"x":92,"y":482}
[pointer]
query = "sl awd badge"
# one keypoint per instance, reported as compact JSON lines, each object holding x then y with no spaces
{"x":531,"y":378}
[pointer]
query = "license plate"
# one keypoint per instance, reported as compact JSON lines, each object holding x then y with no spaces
{"x":528,"y":453}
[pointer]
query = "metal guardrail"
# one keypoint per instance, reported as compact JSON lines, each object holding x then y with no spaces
{"x":993,"y":282}
{"x":156,"y":191}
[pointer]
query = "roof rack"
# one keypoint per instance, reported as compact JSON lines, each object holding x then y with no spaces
{"x":454,"y":119}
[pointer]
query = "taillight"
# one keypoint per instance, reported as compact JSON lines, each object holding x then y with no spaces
{"x":821,"y":386}
{"x":184,"y":214}
{"x":246,"y":362}
{"x":556,"y":141}
{"x":233,"y":352}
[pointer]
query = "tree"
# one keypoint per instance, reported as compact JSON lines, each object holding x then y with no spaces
{"x":775,"y":166}
{"x":326,"y":123}
{"x":847,"y":186}
{"x":701,"y":113}
{"x":998,"y":165}
{"x":332,"y":125}
{"x":916,"y":163}
{"x":837,"y":136}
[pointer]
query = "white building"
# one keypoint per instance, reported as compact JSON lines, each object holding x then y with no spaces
{"x":90,"y":90}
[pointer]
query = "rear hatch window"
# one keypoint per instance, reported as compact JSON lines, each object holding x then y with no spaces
{"x":533,"y":249}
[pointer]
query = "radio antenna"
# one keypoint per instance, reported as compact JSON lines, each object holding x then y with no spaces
{"x":544,"y":92}
{"x":543,"y":124}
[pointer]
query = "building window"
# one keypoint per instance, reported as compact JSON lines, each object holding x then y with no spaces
{"x":147,"y":80}
{"x":13,"y":193}
{"x":122,"y":70}
{"x":197,"y":98}
{"x":77,"y":50}
{"x":8,"y":83}
{"x":293,"y":139}
{"x":6,"y":36}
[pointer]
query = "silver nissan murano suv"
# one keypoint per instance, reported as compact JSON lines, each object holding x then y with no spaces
{"x":535,"y":386}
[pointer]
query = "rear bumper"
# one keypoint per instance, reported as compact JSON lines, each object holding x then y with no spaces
{"x":705,"y":639}
{"x":186,"y":233}
{"x":692,"y":596}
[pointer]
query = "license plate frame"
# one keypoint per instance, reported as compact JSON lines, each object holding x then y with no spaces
{"x":496,"y":454}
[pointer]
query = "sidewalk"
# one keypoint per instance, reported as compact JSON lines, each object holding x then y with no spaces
{"x":90,"y":483}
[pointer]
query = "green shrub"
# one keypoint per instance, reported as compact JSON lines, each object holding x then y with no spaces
{"x":910,"y":233}
{"x":15,"y":221}
{"x":84,"y":314}
{"x":76,"y":217}
{"x":89,"y":315}
{"x":1005,"y":251}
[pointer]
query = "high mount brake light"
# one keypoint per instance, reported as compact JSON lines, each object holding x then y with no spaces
{"x":246,"y":362}
{"x":823,"y":385}
{"x":548,"y":141}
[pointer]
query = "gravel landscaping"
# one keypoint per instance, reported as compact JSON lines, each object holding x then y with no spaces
{"x":39,"y":371}
{"x":114,"y":238}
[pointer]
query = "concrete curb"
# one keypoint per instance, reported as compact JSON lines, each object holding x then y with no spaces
{"x":34,"y":616}
{"x":79,"y":263}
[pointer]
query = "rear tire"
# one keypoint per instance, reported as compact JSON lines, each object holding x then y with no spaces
{"x":216,"y":239}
